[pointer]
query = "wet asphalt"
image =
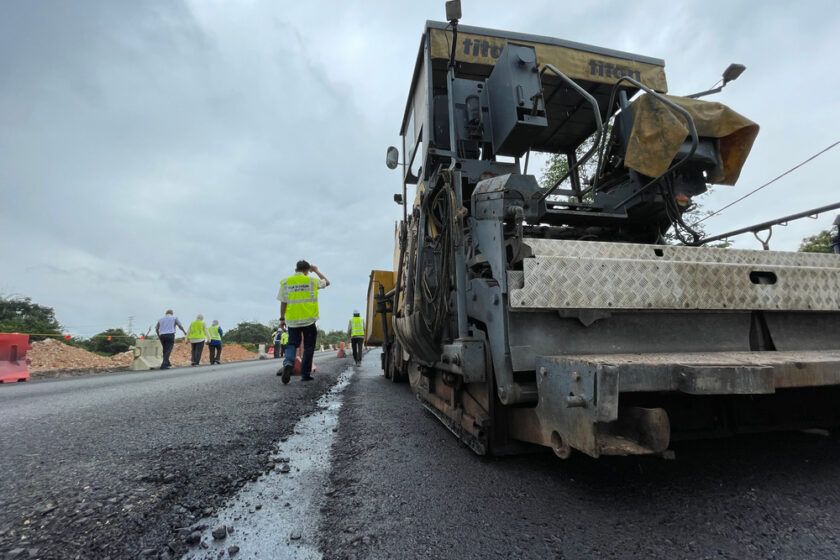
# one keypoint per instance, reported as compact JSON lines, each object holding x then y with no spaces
{"x":147,"y":466}
{"x":124,"y":465}
{"x":404,"y":487}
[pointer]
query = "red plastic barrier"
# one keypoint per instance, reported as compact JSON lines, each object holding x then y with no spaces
{"x":340,"y":351}
{"x":13,"y":362}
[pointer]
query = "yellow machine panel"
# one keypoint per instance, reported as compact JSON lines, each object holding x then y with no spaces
{"x":374,"y":334}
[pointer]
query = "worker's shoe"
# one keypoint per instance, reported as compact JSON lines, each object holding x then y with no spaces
{"x":307,"y":378}
{"x":287,"y":373}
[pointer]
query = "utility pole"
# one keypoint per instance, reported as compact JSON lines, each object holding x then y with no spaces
{"x":130,"y":324}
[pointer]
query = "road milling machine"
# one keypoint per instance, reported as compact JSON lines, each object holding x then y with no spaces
{"x":561,"y":315}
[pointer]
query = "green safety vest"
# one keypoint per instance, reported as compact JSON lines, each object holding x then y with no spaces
{"x":214,"y":332}
{"x":302,"y":294}
{"x":284,"y":338}
{"x":358,"y":328}
{"x":196,"y":330}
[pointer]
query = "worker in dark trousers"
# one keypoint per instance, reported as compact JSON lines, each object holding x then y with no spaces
{"x":298,"y":313}
{"x":275,"y":338}
{"x":165,"y":330}
{"x":356,"y":332}
{"x":216,"y":333}
{"x":284,"y":341}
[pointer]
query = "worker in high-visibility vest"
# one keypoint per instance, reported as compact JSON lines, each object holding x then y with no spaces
{"x":356,"y":332}
{"x":197,"y":336}
{"x":281,"y":339}
{"x":216,"y":333}
{"x":284,"y":341}
{"x":298,"y":313}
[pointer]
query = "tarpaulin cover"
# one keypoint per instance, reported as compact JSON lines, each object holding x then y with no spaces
{"x":578,"y":64}
{"x":659,"y":131}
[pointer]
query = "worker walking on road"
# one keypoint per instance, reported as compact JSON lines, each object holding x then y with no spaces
{"x":284,"y":341}
{"x":216,"y":333}
{"x":356,"y":332}
{"x":275,"y":340}
{"x":197,"y":336}
{"x":281,"y":339}
{"x":165,"y":330}
{"x":299,"y":310}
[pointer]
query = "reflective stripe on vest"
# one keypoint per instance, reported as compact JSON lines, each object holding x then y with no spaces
{"x":214,"y":332}
{"x":284,"y":338}
{"x":302,"y":293}
{"x":358,"y":329}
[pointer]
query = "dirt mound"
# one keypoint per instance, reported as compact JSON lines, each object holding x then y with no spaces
{"x":54,"y":355}
{"x":51,"y":354}
{"x":231,"y":353}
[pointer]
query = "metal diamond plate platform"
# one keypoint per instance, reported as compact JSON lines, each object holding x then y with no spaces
{"x":634,"y":251}
{"x":580,"y":274}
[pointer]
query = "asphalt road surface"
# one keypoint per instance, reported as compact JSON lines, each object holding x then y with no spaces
{"x":118,"y":465}
{"x":351,"y":466}
{"x":404,"y":487}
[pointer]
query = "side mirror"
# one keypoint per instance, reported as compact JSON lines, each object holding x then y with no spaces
{"x":392,"y":157}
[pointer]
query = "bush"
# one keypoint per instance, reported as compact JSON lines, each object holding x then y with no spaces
{"x":112,"y":341}
{"x":254,"y":333}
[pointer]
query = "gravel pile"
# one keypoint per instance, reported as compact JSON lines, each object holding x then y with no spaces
{"x":232,"y":353}
{"x":52,"y":355}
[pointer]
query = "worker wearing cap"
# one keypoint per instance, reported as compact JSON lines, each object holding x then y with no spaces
{"x":165,"y":330}
{"x":281,"y":339}
{"x":356,"y":332}
{"x":298,"y":313}
{"x":216,"y":333}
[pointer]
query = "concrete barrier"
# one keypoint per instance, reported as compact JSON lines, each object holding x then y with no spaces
{"x":148,"y":354}
{"x":261,"y":355}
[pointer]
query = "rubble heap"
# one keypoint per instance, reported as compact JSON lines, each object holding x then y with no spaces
{"x":54,"y":355}
{"x":51,"y":354}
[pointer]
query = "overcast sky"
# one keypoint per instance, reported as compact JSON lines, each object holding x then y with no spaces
{"x":180,"y":154}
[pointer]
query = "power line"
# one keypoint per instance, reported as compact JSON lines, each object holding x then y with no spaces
{"x":752,"y":192}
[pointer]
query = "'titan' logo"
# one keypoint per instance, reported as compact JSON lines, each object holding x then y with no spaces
{"x":484,"y":48}
{"x":596,"y":67}
{"x":610,"y":70}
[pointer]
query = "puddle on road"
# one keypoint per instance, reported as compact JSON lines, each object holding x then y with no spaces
{"x":265,"y":514}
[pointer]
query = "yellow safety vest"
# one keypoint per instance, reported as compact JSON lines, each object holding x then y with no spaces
{"x":196,"y":330}
{"x":214,"y":332}
{"x":284,"y":338}
{"x":302,"y":305}
{"x":358,"y":329}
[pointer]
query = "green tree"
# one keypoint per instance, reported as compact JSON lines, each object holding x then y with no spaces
{"x":820,"y":243}
{"x":247,"y":332}
{"x":112,"y":341}
{"x":332,"y":337}
{"x":20,"y":314}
